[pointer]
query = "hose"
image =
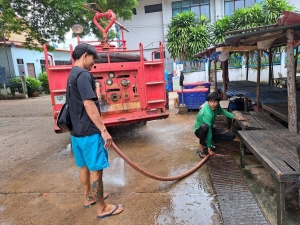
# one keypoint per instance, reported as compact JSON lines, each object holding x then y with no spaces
{"x":155,"y":177}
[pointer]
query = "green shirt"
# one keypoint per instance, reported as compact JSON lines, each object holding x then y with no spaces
{"x":208,"y":116}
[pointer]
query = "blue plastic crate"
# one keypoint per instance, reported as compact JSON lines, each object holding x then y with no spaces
{"x":193,"y":98}
{"x":196,"y":84}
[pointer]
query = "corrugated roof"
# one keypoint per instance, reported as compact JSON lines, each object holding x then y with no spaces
{"x":289,"y":20}
{"x":251,"y":38}
{"x":15,"y":38}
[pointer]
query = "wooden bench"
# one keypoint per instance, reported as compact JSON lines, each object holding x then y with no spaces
{"x":257,"y":121}
{"x":280,"y":110}
{"x":276,"y":150}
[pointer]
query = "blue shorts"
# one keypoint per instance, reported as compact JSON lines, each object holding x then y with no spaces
{"x":89,"y":151}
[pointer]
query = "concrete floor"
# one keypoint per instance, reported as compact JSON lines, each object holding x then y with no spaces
{"x":39,"y":183}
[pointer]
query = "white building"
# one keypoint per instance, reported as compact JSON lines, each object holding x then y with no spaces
{"x":149,"y":25}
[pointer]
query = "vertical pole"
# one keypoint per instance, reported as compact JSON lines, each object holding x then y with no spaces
{"x":78,"y":39}
{"x":208,"y":71}
{"x":242,"y":154}
{"x":296,"y":61}
{"x":247,"y":65}
{"x":258,"y":80}
{"x":246,"y":104}
{"x":215,"y":76}
{"x":123,"y":39}
{"x":225,"y":78}
{"x":292,"y":104}
{"x":280,"y":202}
{"x":270,"y":67}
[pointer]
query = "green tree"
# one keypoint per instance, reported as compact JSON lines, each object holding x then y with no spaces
{"x":220,"y":27}
{"x":264,"y":13}
{"x":273,"y":9}
{"x":49,"y":20}
{"x":187,"y":35}
{"x":247,"y":17}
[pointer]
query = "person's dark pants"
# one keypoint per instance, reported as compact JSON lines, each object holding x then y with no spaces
{"x":218,"y":134}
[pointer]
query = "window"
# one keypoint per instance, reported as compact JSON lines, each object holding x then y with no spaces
{"x":20,"y":61}
{"x":232,"y":5}
{"x":134,"y":11}
{"x":153,"y":8}
{"x":200,"y":7}
{"x":157,"y":55}
{"x":43,"y":65}
{"x":61,"y":62}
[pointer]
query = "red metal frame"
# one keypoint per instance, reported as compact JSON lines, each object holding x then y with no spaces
{"x":134,"y":91}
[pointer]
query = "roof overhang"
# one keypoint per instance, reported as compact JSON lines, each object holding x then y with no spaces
{"x":236,"y":49}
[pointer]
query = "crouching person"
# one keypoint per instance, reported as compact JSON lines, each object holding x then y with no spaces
{"x":204,"y":126}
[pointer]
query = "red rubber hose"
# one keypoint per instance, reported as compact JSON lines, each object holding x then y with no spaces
{"x":153,"y":176}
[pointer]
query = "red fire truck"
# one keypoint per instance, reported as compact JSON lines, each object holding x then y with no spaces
{"x":130,"y":87}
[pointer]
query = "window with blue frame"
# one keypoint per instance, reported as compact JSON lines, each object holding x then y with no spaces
{"x":200,"y":7}
{"x":232,"y":5}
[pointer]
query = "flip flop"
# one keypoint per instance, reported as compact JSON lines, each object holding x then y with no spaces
{"x":93,"y":203}
{"x":111,"y":213}
{"x":201,"y":154}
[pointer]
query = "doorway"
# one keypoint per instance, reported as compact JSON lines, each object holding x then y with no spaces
{"x":31,"y":70}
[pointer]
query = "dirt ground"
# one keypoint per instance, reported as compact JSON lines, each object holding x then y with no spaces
{"x":39,"y":182}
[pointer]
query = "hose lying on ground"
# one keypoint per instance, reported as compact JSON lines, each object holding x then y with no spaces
{"x":150,"y":175}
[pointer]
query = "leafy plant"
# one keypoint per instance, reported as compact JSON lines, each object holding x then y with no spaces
{"x":273,"y":9}
{"x":264,"y":13}
{"x":187,"y":35}
{"x":16,"y":81}
{"x":247,"y":17}
{"x":32,"y":85}
{"x":43,"y":78}
{"x":220,"y":27}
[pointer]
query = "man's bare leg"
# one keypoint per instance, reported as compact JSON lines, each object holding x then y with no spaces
{"x":84,"y":174}
{"x":97,"y":192}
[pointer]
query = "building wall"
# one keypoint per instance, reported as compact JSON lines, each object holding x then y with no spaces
{"x":32,"y":56}
{"x":145,"y":28}
{"x":61,"y":55}
{"x":151,"y":28}
{"x":5,"y":60}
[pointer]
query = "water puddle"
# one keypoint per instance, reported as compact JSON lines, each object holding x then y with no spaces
{"x":186,"y":209}
{"x":64,"y":152}
{"x":115,"y":173}
{"x":2,"y":208}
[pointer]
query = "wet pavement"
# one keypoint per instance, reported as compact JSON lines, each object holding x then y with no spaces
{"x":39,"y":183}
